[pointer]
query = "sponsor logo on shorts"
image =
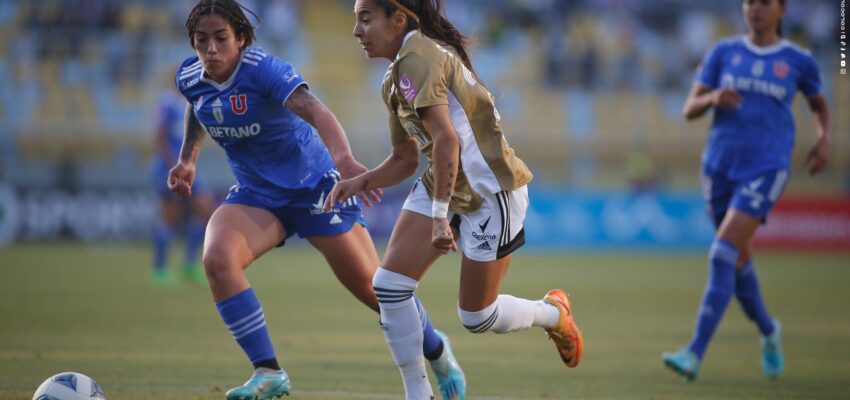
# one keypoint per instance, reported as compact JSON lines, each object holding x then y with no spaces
{"x":483,"y":236}
{"x":484,"y":225}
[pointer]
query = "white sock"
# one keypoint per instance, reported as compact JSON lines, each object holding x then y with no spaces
{"x":403,"y":330}
{"x":441,"y":364}
{"x":510,"y":314}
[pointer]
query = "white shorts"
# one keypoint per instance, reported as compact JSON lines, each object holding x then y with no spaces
{"x":489,"y":233}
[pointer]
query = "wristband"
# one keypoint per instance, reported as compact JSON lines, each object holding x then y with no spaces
{"x":439,"y":209}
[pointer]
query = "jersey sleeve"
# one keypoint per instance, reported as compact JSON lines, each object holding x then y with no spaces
{"x":281,"y":79}
{"x":810,"y":78}
{"x":421,"y":81}
{"x":708,"y":73}
{"x":185,"y":73}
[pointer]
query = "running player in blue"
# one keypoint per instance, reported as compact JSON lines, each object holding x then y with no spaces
{"x":259,"y":110}
{"x":169,"y":136}
{"x":750,"y":83}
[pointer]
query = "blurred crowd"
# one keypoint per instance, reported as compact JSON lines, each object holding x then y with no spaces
{"x":95,"y":67}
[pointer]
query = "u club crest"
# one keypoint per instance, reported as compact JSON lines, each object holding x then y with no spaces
{"x":239,"y":104}
{"x":780,"y":69}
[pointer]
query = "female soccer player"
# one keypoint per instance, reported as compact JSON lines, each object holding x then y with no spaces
{"x":258,"y":108}
{"x":750,"y":83}
{"x":167,"y":146}
{"x":477,"y":184}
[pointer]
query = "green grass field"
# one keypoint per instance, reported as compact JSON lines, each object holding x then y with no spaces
{"x":93,"y":310}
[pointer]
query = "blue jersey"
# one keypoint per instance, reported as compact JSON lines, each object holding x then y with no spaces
{"x":274,"y":154}
{"x":759,"y":134}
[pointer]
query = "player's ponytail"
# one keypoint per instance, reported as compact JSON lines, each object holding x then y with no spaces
{"x":230,"y":10}
{"x":428,"y":16}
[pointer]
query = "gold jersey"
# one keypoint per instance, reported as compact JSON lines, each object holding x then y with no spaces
{"x":426,"y":74}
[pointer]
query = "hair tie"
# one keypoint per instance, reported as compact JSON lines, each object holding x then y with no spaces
{"x":405,"y":10}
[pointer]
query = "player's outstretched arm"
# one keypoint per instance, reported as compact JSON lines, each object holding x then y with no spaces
{"x":401,"y":164}
{"x":702,"y":98}
{"x":818,"y":156}
{"x":182,"y":175}
{"x":312,"y":110}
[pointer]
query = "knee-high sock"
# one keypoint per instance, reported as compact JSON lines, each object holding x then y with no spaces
{"x":194,"y":240}
{"x":162,"y":235}
{"x":722,"y":258}
{"x":749,"y":295}
{"x":246,"y":321}
{"x":432,"y":346}
{"x":402,"y":328}
{"x":509,"y":314}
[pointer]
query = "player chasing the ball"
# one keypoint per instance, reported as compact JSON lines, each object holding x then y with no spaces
{"x":474,"y":188}
{"x":259,"y":109}
{"x":750,"y":83}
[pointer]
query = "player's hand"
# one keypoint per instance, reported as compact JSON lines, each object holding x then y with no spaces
{"x":343,"y":190}
{"x":180,"y":179}
{"x":441,"y":236}
{"x":818,"y":156}
{"x":350,"y":169}
{"x":726,"y":98}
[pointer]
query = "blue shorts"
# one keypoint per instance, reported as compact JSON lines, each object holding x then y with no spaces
{"x":159,"y":179}
{"x":303,"y":214}
{"x":755,"y":195}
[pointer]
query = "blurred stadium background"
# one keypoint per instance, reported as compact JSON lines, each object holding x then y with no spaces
{"x":590,"y":92}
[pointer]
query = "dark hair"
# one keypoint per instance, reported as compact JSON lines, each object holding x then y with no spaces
{"x":230,"y":10}
{"x":434,"y":24}
{"x":779,"y":25}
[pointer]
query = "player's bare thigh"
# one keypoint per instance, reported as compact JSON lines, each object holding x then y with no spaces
{"x":353,"y":259}
{"x":480,"y":282}
{"x":739,"y":228}
{"x":237,"y":235}
{"x":410,"y":252}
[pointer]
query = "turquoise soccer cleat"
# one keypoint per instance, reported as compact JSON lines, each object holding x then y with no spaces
{"x":684,"y":362}
{"x":772,"y":360}
{"x":264,"y":384}
{"x":452,"y":384}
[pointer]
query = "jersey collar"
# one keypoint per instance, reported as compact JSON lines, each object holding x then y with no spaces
{"x":221,"y":86}
{"x":406,"y":38}
{"x":764,"y":51}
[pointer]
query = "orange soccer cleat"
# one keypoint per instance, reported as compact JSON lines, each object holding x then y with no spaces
{"x":566,"y":335}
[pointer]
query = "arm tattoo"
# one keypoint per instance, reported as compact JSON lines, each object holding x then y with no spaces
{"x":301,"y":102}
{"x":193,"y":136}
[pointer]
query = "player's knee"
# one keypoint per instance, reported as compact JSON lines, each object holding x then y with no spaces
{"x":219,"y":263}
{"x":392,"y":289}
{"x":479,"y":321}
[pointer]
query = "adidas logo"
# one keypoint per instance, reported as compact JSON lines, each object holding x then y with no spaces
{"x":484,"y":246}
{"x":336,"y":220}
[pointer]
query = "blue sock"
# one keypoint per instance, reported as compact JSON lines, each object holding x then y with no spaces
{"x":749,"y":295}
{"x":432,"y":345}
{"x":722,"y":258}
{"x":194,"y":240}
{"x":244,"y":317}
{"x":161,"y":240}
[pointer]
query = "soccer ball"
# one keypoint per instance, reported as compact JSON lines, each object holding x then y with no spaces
{"x":69,"y":386}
